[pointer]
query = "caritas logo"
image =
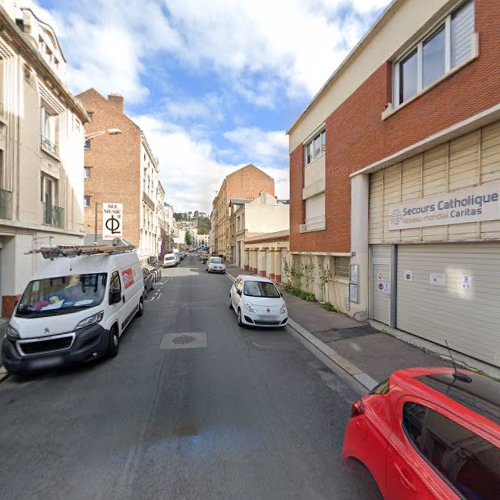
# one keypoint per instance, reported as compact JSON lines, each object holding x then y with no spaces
{"x":128,"y":277}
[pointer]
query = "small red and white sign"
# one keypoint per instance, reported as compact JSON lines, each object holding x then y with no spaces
{"x":128,"y":277}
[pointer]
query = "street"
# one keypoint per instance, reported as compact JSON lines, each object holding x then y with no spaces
{"x":251,"y":415}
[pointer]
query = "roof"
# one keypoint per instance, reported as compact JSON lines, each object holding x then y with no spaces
{"x":41,"y":66}
{"x":480,"y":396}
{"x":238,"y":201}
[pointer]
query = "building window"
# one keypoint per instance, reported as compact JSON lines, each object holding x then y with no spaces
{"x":315,"y":148}
{"x":90,"y":114}
{"x":87,"y":144}
{"x":49,"y":132}
{"x":86,"y":201}
{"x":341,"y":267}
{"x":86,"y":172}
{"x":447,"y":47}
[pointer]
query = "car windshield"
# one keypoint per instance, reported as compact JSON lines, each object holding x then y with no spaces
{"x":261,"y":289}
{"x":62,"y":295}
{"x":216,"y":260}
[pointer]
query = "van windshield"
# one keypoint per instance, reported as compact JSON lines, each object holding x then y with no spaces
{"x":62,"y":295}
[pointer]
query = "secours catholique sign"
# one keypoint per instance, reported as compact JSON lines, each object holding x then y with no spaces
{"x":475,"y":204}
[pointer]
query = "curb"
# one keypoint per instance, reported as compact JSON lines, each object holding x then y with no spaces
{"x":361,"y":377}
{"x":345,"y":365}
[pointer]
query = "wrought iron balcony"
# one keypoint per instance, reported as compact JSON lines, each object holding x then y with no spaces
{"x":313,"y":224}
{"x":5,"y":204}
{"x":53,"y":216}
{"x":48,"y":145}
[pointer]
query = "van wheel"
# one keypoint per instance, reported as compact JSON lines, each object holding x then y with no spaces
{"x":140,"y":311}
{"x":114,"y":342}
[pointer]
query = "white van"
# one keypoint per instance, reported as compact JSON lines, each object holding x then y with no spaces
{"x":74,"y":310}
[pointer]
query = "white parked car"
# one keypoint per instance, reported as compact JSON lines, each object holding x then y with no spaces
{"x":216,"y":265}
{"x":170,"y":260}
{"x":258,"y":302}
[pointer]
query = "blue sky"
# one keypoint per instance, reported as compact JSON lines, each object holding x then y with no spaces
{"x":213,"y":84}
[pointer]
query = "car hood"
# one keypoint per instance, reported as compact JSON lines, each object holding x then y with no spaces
{"x":264,"y":302}
{"x":50,"y":325}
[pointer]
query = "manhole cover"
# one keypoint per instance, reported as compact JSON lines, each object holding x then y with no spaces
{"x":183,"y":340}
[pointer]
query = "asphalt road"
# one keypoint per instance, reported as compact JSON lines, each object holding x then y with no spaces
{"x":253,"y":415}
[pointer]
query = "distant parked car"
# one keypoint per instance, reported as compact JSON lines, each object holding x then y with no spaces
{"x":204,"y":257}
{"x":170,"y":260}
{"x":429,"y":433}
{"x":258,"y":302}
{"x":216,"y":265}
{"x":149,"y":279}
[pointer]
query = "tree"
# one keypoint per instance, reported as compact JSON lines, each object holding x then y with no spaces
{"x":188,"y":238}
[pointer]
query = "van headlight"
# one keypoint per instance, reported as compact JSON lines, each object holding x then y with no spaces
{"x":250,"y":307}
{"x":12,"y":333}
{"x":283,"y":309}
{"x":91,"y":320}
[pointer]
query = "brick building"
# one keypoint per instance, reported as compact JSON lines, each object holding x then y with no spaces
{"x":246,"y":183}
{"x":404,"y":130}
{"x":120,"y":168}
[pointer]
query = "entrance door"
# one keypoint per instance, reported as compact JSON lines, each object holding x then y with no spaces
{"x":381,"y":284}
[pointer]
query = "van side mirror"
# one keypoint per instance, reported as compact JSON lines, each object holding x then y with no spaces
{"x":115,"y":296}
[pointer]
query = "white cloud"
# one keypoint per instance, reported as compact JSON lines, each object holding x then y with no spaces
{"x":256,"y":46}
{"x":208,"y":108}
{"x":259,"y":146}
{"x":189,"y":169}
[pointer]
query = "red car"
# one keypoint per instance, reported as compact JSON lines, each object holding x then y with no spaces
{"x":429,"y":433}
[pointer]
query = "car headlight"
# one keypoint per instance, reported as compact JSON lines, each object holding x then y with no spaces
{"x":91,"y":320}
{"x":283,"y":309}
{"x":12,"y":333}
{"x":250,"y":307}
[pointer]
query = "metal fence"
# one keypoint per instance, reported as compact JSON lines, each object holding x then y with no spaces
{"x":53,"y":216}
{"x":5,"y":204}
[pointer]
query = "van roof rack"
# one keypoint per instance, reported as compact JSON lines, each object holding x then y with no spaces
{"x":77,"y":250}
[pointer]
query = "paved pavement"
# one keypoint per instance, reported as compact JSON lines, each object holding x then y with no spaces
{"x":360,"y":346}
{"x":253,"y":415}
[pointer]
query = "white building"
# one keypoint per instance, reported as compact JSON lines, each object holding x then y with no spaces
{"x":41,"y":149}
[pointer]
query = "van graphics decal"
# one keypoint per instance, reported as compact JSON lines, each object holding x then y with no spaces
{"x":473,"y":204}
{"x":128,"y":277}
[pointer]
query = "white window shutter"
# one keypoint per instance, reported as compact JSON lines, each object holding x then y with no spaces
{"x":462,"y":29}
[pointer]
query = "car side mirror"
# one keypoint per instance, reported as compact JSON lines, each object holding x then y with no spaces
{"x":238,"y":292}
{"x":115,"y":296}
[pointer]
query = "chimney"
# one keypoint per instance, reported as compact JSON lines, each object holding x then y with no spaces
{"x":116,"y":100}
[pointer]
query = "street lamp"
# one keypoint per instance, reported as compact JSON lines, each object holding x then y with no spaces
{"x":88,"y":137}
{"x":110,"y":131}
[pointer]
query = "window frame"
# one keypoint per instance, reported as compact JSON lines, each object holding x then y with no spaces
{"x":87,"y":172}
{"x":443,"y":24}
{"x":85,"y":198}
{"x":451,"y":417}
{"x":321,"y":137}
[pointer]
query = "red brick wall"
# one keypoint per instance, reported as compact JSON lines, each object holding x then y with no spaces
{"x":115,"y":163}
{"x":248,"y":182}
{"x":356,"y":136}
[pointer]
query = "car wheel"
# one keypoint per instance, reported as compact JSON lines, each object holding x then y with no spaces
{"x":140,"y":311}
{"x":240,"y":322}
{"x":145,"y":293}
{"x":230,"y":303}
{"x":114,"y":342}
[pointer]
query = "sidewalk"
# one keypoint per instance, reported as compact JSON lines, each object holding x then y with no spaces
{"x":369,"y":355}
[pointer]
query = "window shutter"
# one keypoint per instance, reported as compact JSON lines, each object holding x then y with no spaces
{"x":462,"y":28}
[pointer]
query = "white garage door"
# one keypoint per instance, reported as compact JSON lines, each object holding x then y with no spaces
{"x":452,"y":292}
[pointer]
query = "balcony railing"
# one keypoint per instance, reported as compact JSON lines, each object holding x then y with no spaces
{"x":53,"y":216}
{"x":313,"y":224}
{"x":49,"y":146}
{"x":5,"y":204}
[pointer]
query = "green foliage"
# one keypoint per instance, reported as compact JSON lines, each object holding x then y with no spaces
{"x":203,"y":224}
{"x":188,"y":238}
{"x":329,"y":307}
{"x":299,"y":293}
